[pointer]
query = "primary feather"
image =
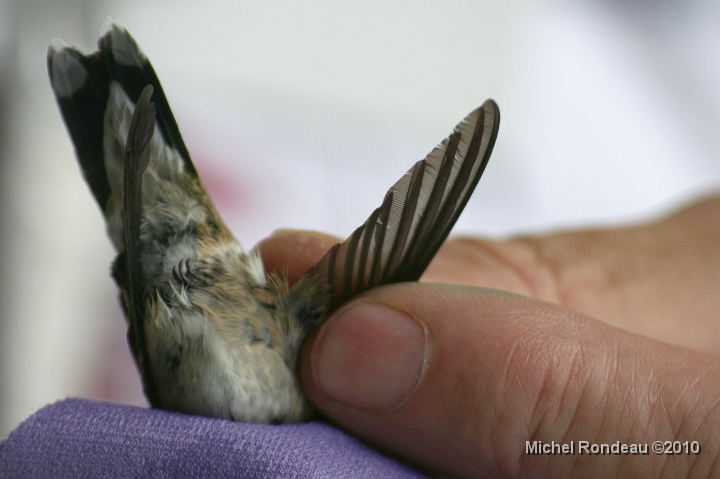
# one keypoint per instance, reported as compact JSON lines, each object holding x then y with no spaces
{"x":400,"y":238}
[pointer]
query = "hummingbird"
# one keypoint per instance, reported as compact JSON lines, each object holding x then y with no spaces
{"x":210,"y":331}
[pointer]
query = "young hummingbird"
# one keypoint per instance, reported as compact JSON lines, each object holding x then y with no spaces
{"x":211,"y":333}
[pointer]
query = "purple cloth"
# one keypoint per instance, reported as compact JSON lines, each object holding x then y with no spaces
{"x":82,"y":438}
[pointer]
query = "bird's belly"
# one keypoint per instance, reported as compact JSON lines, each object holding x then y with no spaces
{"x":197,"y":372}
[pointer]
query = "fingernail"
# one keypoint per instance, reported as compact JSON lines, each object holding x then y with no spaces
{"x":369,"y":356}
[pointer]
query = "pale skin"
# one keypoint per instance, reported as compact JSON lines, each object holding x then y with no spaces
{"x":599,"y":335}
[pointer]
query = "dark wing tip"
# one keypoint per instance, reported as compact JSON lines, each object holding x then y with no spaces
{"x":140,"y":131}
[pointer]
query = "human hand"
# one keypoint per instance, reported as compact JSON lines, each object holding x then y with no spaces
{"x":457,"y":379}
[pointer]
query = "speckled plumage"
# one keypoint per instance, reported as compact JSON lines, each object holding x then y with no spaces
{"x":211,"y":333}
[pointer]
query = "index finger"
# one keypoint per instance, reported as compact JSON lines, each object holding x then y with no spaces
{"x":290,"y":253}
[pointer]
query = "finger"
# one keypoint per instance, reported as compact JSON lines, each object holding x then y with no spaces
{"x":504,"y":265}
{"x":459,"y":379}
{"x":658,"y":280}
{"x":293,"y":252}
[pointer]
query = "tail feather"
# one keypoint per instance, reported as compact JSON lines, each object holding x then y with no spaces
{"x":81,"y":84}
{"x":97,"y":94}
{"x":128,"y":65}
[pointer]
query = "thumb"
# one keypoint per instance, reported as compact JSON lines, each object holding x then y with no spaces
{"x":459,"y":379}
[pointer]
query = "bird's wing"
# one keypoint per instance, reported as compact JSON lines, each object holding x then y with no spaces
{"x":137,"y":156}
{"x":400,"y":238}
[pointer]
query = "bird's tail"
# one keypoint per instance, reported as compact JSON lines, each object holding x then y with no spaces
{"x":97,"y":94}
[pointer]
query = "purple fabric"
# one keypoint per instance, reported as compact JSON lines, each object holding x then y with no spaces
{"x":82,"y":438}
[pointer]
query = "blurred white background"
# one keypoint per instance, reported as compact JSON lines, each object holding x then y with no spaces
{"x":302,"y":114}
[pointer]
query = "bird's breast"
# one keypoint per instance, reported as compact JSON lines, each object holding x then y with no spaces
{"x":218,"y":350}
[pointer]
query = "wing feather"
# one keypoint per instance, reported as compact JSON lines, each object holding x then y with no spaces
{"x":137,"y":156}
{"x":401,"y":237}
